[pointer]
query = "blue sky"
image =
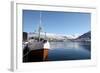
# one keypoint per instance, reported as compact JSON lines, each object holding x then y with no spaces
{"x":67,"y":23}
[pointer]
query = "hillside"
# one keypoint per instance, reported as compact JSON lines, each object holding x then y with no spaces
{"x":85,"y":37}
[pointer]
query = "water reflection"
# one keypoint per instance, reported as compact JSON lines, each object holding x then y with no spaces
{"x":69,"y":44}
{"x":69,"y":50}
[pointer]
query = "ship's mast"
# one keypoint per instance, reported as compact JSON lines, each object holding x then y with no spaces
{"x":40,"y":28}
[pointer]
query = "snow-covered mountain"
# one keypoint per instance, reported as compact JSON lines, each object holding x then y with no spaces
{"x":59,"y":37}
{"x":85,"y":37}
{"x":52,"y":35}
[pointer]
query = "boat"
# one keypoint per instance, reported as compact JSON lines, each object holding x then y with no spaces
{"x":37,"y":48}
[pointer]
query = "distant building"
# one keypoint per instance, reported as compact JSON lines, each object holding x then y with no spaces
{"x":25,"y":36}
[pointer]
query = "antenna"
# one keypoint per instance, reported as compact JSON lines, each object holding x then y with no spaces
{"x":40,"y":17}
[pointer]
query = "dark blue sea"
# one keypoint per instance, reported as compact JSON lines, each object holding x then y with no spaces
{"x":69,"y":50}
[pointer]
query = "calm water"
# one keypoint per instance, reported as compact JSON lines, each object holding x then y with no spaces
{"x":69,"y":51}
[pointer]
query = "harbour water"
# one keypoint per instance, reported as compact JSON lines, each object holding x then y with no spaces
{"x":69,"y":50}
{"x":60,"y":51}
